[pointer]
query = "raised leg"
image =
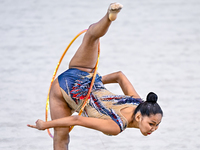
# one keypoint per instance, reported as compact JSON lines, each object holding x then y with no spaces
{"x":59,"y":109}
{"x":86,"y":56}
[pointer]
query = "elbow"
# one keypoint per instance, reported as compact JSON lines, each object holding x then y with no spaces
{"x":115,"y":130}
{"x":119,"y":73}
{"x":112,"y":133}
{"x":115,"y":134}
{"x":119,"y":76}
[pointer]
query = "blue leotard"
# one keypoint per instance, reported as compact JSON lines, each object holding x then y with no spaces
{"x":103,"y":104}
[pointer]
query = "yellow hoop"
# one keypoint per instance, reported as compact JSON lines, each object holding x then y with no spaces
{"x":54,"y":75}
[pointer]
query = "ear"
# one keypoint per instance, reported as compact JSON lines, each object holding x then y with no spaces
{"x":138,"y":116}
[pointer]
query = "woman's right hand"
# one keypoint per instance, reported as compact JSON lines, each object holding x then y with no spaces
{"x":39,"y":125}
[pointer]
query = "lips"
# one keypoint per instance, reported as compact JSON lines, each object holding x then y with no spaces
{"x":148,"y":133}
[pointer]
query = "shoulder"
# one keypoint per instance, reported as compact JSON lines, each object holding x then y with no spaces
{"x":128,"y":112}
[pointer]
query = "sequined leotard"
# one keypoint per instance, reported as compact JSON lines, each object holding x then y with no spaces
{"x":103,"y":104}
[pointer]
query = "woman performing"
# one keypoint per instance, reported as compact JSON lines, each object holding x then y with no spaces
{"x":105,"y":111}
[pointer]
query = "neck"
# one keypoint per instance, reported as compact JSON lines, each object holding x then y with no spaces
{"x":133,"y":123}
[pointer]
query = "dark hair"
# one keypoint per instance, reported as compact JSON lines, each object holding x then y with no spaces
{"x":150,"y":106}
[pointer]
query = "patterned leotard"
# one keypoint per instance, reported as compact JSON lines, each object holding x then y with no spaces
{"x":102,"y":104}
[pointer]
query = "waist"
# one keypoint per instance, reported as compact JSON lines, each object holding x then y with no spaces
{"x":75,"y":79}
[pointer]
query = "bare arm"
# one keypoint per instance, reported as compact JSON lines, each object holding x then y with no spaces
{"x":106,"y":126}
{"x":125,"y":84}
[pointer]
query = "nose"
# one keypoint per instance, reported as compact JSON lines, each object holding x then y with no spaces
{"x":154,"y":128}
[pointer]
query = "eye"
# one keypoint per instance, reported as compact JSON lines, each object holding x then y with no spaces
{"x":157,"y":125}
{"x":151,"y":124}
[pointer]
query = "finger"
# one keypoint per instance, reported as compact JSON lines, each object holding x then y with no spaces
{"x":32,"y":126}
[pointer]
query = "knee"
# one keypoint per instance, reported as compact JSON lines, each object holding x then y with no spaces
{"x":61,"y":136}
{"x":91,"y":33}
{"x":90,"y":27}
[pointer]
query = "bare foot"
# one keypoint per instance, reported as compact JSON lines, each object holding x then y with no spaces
{"x":113,"y":10}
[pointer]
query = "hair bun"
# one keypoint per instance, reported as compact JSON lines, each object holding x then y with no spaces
{"x":152,"y":97}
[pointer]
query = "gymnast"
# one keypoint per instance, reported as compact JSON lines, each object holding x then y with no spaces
{"x":105,"y":111}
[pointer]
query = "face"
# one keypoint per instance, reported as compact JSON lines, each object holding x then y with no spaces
{"x":149,"y":124}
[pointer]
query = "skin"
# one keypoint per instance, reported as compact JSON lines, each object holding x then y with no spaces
{"x":85,"y":59}
{"x":148,"y":124}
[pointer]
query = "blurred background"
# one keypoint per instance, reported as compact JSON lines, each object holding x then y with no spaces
{"x":155,"y":43}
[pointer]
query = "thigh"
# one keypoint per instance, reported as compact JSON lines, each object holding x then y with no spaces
{"x":87,"y":54}
{"x":58,"y":106}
